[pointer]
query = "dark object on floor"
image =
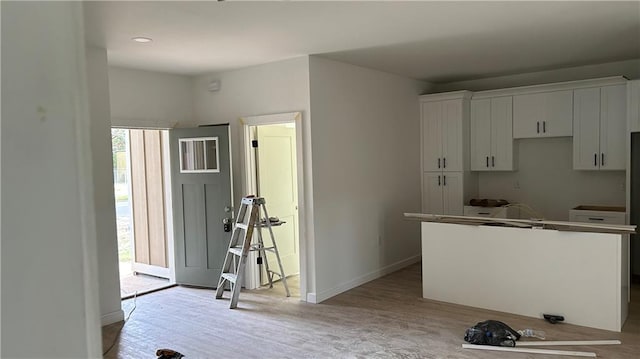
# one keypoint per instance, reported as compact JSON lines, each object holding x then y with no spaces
{"x":552,"y":318}
{"x":492,"y":332}
{"x":168,"y":354}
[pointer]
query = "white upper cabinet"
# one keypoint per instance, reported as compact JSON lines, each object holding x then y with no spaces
{"x":446,"y":180}
{"x":543,"y":114}
{"x":442,"y":135}
{"x":491,"y":134}
{"x":633,"y":105}
{"x":599,"y":127}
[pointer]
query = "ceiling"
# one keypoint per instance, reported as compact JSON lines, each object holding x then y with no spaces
{"x":433,"y":41}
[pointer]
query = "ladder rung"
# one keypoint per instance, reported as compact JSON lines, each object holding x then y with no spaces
{"x":231,"y":277}
{"x":236,"y":250}
{"x":241,"y":225}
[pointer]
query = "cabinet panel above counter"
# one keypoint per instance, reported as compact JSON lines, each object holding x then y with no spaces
{"x":545,"y":114}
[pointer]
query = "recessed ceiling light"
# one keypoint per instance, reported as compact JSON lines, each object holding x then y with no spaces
{"x":141,"y":39}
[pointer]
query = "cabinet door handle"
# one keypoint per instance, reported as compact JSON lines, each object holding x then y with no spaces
{"x":487,"y":161}
{"x":601,"y":159}
{"x":493,"y":161}
{"x":438,"y":162}
{"x":444,"y":180}
{"x":538,"y":127}
{"x":544,"y":126}
{"x":596,"y":219}
{"x":595,"y":160}
{"x":438,"y":180}
{"x":444,"y":162}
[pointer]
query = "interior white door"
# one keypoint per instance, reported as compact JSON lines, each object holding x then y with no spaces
{"x":277,"y":183}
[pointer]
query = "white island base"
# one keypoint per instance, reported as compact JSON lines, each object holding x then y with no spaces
{"x":582,"y":276}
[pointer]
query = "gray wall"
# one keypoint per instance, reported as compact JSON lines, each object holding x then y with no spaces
{"x":50,"y":306}
{"x":366,"y":173}
{"x":547,"y":182}
{"x":149,"y":99}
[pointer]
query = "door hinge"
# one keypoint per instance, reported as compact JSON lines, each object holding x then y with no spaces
{"x":254,"y":143}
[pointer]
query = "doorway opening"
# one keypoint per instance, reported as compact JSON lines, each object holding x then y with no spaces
{"x":140,"y":177}
{"x":273,"y":164}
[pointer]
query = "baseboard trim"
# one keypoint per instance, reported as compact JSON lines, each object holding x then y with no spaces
{"x":112,"y":317}
{"x":324,"y":295}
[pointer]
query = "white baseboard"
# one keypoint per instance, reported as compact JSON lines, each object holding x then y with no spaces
{"x":311,"y":298}
{"x":326,"y":294}
{"x":112,"y":317}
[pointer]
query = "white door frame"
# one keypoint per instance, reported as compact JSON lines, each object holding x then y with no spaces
{"x":253,"y":279}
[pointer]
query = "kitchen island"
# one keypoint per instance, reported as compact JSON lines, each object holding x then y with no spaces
{"x":528,"y":269}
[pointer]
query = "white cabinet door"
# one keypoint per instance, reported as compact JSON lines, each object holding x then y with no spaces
{"x":586,"y":128}
{"x":633,"y":105}
{"x":501,"y":134}
{"x":480,"y":134}
{"x":613,"y":121}
{"x":599,"y":128}
{"x":432,"y":193}
{"x":527,"y":114}
{"x":544,"y":114}
{"x":558,"y":118}
{"x":452,"y":135}
{"x":453,"y":202}
{"x":431,"y":135}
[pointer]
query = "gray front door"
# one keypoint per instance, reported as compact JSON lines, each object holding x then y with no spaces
{"x":201,"y":186}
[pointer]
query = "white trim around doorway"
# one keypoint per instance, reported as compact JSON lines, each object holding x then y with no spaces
{"x":249,"y":184}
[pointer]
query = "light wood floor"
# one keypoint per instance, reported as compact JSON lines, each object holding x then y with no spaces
{"x":385,"y":318}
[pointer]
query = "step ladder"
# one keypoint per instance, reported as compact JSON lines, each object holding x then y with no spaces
{"x":233,"y":269}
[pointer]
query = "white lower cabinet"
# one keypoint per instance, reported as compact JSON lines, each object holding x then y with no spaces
{"x":442,"y":193}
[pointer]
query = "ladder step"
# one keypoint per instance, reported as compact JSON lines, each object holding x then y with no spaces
{"x":231,"y":277}
{"x":241,"y":225}
{"x":236,"y":250}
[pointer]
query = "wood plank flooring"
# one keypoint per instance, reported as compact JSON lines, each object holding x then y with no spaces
{"x":385,"y":318}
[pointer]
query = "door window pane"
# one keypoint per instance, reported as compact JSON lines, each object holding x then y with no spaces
{"x":198,"y":155}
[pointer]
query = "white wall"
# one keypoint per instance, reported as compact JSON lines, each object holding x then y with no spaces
{"x":366,"y":173}
{"x":50,"y":302}
{"x":101,"y":156}
{"x":149,"y":99}
{"x":265,"y":89}
{"x":547,"y":182}
{"x":628,"y":68}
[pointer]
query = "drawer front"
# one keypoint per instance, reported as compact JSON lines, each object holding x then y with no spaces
{"x":495,"y":212}
{"x":597,"y":217}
